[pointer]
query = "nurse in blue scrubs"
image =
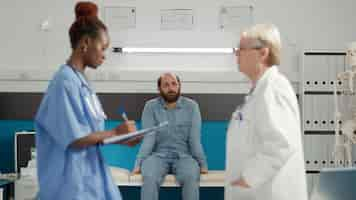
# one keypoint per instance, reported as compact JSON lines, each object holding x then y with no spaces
{"x":70,"y":121}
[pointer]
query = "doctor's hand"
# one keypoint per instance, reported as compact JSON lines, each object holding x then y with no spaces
{"x":136,"y":170}
{"x":203,"y":170}
{"x":240,"y":183}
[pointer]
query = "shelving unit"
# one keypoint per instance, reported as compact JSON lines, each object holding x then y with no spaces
{"x":318,"y":74}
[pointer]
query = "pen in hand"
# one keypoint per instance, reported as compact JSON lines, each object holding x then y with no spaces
{"x":124,"y":116}
{"x":135,"y":140}
{"x":122,"y":112}
{"x":127,"y":126}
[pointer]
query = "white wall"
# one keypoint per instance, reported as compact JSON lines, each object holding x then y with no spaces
{"x":30,"y":55}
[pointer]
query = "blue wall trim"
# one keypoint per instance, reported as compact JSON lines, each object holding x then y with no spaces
{"x":213,"y":140}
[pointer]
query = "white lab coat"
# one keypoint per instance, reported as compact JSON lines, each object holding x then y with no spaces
{"x":264,"y":144}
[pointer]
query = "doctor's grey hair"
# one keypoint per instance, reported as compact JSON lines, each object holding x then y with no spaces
{"x":266,"y":36}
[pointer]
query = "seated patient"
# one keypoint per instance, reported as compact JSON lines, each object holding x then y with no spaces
{"x":176,"y":149}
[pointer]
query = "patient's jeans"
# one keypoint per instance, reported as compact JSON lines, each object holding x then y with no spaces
{"x":155,"y":168}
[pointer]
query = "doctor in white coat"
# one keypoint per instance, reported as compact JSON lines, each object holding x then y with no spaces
{"x":264,"y":149}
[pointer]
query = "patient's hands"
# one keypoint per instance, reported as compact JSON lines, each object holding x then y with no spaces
{"x":136,"y":170}
{"x":203,"y":170}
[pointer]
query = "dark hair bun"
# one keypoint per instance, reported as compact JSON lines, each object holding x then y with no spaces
{"x":86,"y":9}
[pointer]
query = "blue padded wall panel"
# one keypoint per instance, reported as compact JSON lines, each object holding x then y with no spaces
{"x":213,"y":140}
{"x":7,"y":132}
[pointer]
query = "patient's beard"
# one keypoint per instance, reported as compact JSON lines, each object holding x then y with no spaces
{"x":170,"y":97}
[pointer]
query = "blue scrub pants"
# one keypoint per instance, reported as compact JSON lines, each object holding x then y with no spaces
{"x":155,"y":168}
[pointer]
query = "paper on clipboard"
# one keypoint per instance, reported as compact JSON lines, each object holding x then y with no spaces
{"x":121,"y":138}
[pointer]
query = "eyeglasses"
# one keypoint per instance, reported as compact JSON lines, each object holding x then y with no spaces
{"x":238,"y":50}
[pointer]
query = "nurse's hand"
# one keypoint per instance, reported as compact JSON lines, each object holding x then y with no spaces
{"x":133,"y":141}
{"x":136,"y":170}
{"x":240,"y":183}
{"x":126,"y":127}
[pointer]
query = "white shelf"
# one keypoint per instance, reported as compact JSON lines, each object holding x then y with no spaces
{"x":318,"y":75}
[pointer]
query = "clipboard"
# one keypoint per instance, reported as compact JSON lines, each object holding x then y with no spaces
{"x":132,"y":135}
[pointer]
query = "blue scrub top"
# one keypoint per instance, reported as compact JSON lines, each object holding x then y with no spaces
{"x":71,"y":110}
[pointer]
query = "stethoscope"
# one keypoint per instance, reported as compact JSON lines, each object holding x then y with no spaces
{"x":91,"y":100}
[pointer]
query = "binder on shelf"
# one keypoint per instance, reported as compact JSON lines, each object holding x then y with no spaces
{"x":332,"y":72}
{"x":324,"y":112}
{"x":316,"y":74}
{"x":323,"y":73}
{"x":330,"y":150}
{"x":308,"y":72}
{"x":307,"y":152}
{"x":331,"y":112}
{"x":315,"y":113}
{"x":307,"y":112}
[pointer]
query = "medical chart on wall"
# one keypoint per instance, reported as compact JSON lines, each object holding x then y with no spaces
{"x":177,"y":19}
{"x":120,"y":18}
{"x":235,"y":18}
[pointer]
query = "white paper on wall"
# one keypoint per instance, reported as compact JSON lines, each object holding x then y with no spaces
{"x":177,"y":19}
{"x":120,"y":18}
{"x":235,"y":18}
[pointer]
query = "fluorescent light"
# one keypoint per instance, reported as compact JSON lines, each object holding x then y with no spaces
{"x":173,"y":50}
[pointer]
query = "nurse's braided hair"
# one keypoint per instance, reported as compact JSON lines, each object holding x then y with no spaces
{"x":87,"y":23}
